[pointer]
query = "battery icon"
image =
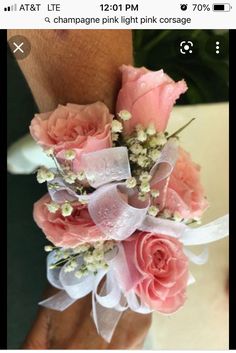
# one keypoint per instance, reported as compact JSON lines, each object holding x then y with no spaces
{"x":222,"y":7}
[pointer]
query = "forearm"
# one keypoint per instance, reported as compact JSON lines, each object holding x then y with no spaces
{"x":76,"y":66}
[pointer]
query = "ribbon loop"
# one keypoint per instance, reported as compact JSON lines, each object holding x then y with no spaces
{"x":116,"y":210}
{"x":60,"y":191}
{"x":215,"y":230}
{"x":105,"y":166}
{"x":163,"y":226}
{"x":165,"y":163}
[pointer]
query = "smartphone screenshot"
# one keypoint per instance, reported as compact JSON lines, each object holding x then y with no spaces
{"x":117,"y":174}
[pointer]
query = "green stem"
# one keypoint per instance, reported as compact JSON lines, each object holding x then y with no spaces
{"x":180,"y":130}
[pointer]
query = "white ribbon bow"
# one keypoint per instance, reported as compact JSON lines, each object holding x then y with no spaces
{"x":118,"y":212}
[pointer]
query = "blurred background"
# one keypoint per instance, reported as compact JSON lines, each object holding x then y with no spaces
{"x":205,"y":71}
{"x":207,"y":77}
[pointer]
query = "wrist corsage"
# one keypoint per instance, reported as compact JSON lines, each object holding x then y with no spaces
{"x":124,"y":202}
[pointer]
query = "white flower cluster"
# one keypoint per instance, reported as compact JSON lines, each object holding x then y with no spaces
{"x":93,"y":257}
{"x":66,"y":208}
{"x":174,"y":216}
{"x":145,"y":146}
{"x":117,"y":126}
{"x":44,"y":174}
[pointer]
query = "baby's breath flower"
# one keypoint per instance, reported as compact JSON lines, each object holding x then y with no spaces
{"x":105,"y":265}
{"x":144,"y":151}
{"x":161,"y":139}
{"x":115,"y":136}
{"x":98,"y":254}
{"x":49,"y":151}
{"x":108,"y":245}
{"x":66,"y":209}
{"x":44,"y":174}
{"x":81,"y":175}
{"x":116,"y":126}
{"x":125,"y":115}
{"x":79,"y":274}
{"x":91,"y":267}
{"x":73,"y":263}
{"x":88,"y":258}
{"x":136,"y":148}
{"x":166,"y":214}
{"x":151,"y":130}
{"x":145,"y":187}
{"x":64,"y":253}
{"x":177,"y":217}
{"x":154,"y":154}
{"x":145,"y":177}
{"x":98,"y":245}
{"x":153,"y":142}
{"x":130,"y":141}
{"x":70,"y":155}
{"x":141,"y":135}
{"x":101,"y":264}
{"x":131,"y":182}
{"x":133,"y":158}
{"x":143,"y":161}
{"x":153,"y":211}
{"x":81,"y":248}
{"x":48,"y":248}
{"x":49,"y":175}
{"x":52,"y":207}
{"x":155,"y":193}
{"x":70,"y":177}
{"x":71,"y":266}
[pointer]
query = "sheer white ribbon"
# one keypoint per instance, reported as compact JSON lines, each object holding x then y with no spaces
{"x":118,"y":212}
{"x":113,"y":299}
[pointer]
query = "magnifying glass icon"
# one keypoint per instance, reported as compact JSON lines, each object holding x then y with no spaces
{"x":47,"y":19}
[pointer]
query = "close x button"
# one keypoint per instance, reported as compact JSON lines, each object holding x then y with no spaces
{"x":20,"y":46}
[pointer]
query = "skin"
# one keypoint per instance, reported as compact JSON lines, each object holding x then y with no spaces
{"x":73,"y":66}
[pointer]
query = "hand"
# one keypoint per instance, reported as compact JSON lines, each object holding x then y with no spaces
{"x":75,"y":329}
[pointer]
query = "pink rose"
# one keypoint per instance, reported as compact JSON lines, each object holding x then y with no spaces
{"x":164,"y":268}
{"x":185,"y":193}
{"x":149,"y":96}
{"x":83,"y":128}
{"x":66,"y":232}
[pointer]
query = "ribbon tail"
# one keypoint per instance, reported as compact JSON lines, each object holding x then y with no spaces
{"x":208,"y":233}
{"x":105,"y":319}
{"x":104,"y":305}
{"x":200,"y":259}
{"x":59,"y":301}
{"x":191,"y":279}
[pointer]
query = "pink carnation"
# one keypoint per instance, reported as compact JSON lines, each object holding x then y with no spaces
{"x":149,"y":96}
{"x":67,"y":232}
